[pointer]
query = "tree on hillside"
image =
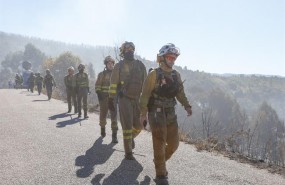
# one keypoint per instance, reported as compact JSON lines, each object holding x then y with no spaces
{"x":6,"y":74}
{"x":61,"y":64}
{"x":91,"y":71}
{"x":13,"y":61}
{"x":270,"y":134}
{"x":34,"y":55}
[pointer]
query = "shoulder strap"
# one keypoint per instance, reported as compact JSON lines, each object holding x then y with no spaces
{"x":159,"y":74}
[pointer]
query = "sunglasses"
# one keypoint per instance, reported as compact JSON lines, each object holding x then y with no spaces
{"x":170,"y":58}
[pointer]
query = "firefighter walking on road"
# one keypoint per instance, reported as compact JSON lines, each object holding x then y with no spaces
{"x":102,"y":89}
{"x":82,"y":89}
{"x":31,"y":82}
{"x":126,"y":80}
{"x":162,"y":87}
{"x":70,"y":91}
{"x":39,"y":82}
{"x":49,"y":83}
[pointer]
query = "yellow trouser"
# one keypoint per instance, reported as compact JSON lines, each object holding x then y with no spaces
{"x":163,"y":123}
{"x":130,"y":120}
{"x":103,"y":114}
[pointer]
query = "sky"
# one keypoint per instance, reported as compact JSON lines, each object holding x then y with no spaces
{"x":214,"y":36}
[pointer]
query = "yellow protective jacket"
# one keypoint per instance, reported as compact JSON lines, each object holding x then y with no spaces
{"x":102,"y":83}
{"x":151,"y":83}
{"x":127,"y":79}
{"x":81,"y":80}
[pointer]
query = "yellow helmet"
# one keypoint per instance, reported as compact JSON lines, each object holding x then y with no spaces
{"x":126,"y":45}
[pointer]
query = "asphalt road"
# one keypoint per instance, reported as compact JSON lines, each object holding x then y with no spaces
{"x":41,"y":144}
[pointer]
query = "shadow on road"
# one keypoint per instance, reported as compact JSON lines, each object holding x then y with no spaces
{"x":40,"y":100}
{"x":68,"y":122}
{"x":32,"y":95}
{"x":126,"y":174}
{"x":98,"y":154}
{"x":62,"y":115}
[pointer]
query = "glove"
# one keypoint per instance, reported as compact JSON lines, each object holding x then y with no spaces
{"x":111,"y":105}
{"x":188,"y":110}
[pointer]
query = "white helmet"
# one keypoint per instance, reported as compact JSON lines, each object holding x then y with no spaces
{"x":169,"y":48}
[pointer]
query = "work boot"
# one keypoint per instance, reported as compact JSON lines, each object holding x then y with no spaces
{"x":133,"y":143}
{"x":114,"y":137}
{"x":161,"y":180}
{"x":103,"y":132}
{"x":129,"y":156}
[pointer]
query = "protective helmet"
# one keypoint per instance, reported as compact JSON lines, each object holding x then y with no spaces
{"x":126,"y":45}
{"x":108,"y":59}
{"x":48,"y":71}
{"x":80,"y":66}
{"x":70,"y":68}
{"x":169,"y":48}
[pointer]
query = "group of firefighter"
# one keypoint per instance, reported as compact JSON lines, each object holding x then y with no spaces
{"x":140,"y":97}
{"x":35,"y":79}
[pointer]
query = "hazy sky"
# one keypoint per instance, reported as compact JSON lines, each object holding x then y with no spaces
{"x":217,"y":36}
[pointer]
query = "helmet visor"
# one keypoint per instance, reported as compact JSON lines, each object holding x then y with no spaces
{"x":174,"y":50}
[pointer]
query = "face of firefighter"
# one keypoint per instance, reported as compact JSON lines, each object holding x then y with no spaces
{"x":70,"y":72}
{"x":170,"y":59}
{"x":110,"y":66}
{"x":129,"y":53}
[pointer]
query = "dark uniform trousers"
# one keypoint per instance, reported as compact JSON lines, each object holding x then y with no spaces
{"x":49,"y":90}
{"x":130,"y":120}
{"x":163,"y":123}
{"x":103,"y":114}
{"x":39,"y":87}
{"x":82,"y":96}
{"x":71,"y":95}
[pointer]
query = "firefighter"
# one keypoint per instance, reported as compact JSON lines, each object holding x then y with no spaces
{"x":82,"y":89}
{"x":39,"y":82}
{"x":126,"y":81}
{"x":102,"y":89}
{"x":70,"y":91}
{"x":162,"y":87}
{"x":31,"y":82}
{"x":49,"y":83}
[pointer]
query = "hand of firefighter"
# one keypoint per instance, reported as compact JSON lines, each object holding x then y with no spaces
{"x":143,"y":121}
{"x":111,"y":105}
{"x":188,"y":110}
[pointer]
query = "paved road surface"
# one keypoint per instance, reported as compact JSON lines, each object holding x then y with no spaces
{"x":41,"y":144}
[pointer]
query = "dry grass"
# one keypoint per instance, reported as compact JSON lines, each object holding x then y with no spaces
{"x":212,"y":145}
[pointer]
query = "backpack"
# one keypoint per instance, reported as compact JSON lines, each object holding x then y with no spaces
{"x":166,"y":87}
